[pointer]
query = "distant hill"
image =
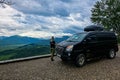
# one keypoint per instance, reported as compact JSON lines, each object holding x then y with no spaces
{"x":18,"y":40}
{"x":15,"y":40}
{"x":2,"y":37}
{"x":47,"y":41}
{"x":61,"y":39}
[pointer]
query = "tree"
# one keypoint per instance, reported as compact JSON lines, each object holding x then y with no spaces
{"x":3,"y":2}
{"x":107,"y":13}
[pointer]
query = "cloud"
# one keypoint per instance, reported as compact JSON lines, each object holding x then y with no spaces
{"x":7,"y":15}
{"x":10,"y":20}
{"x":39,"y":34}
{"x":43,"y":18}
{"x":54,"y":7}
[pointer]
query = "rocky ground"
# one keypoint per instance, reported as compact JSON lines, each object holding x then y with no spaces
{"x":44,"y":69}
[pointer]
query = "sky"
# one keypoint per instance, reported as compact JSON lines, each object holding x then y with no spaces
{"x":45,"y":18}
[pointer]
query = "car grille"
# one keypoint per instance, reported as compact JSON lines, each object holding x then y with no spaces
{"x":59,"y":50}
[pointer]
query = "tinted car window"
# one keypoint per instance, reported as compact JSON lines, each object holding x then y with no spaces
{"x":101,"y":37}
{"x":93,"y":38}
{"x":105,"y":37}
{"x":76,"y":37}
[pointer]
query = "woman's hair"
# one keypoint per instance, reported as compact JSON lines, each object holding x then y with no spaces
{"x":52,"y":38}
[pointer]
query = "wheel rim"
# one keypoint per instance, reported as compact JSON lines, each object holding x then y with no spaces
{"x":112,"y":53}
{"x":81,"y":60}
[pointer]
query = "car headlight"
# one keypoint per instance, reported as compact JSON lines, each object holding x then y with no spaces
{"x":69,"y":48}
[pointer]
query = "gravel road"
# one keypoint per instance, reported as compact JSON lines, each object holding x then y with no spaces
{"x":44,"y":69}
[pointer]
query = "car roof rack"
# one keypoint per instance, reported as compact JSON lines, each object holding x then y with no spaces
{"x":93,"y":28}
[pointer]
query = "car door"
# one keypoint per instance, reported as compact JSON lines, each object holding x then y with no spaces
{"x":92,"y":46}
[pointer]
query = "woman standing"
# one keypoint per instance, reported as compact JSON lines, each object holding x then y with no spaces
{"x":52,"y":47}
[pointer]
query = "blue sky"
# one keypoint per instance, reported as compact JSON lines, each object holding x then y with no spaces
{"x":45,"y":18}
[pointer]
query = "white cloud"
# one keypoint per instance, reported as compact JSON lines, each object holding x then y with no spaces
{"x":43,"y":34}
{"x":9,"y":20}
{"x":43,"y":18}
{"x":9,"y":17}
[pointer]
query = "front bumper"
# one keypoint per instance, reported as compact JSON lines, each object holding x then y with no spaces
{"x":61,"y":53}
{"x":64,"y":56}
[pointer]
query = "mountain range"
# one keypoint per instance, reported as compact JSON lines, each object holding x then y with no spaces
{"x":19,"y":47}
{"x":18,"y":40}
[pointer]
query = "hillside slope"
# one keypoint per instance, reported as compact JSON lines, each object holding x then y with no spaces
{"x":24,"y":51}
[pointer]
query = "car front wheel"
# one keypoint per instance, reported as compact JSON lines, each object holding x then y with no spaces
{"x":111,"y":54}
{"x":80,"y":60}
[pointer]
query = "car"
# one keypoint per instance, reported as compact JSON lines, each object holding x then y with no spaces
{"x":86,"y":45}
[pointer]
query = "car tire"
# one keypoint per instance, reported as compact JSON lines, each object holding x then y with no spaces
{"x":80,"y":60}
{"x":111,"y":54}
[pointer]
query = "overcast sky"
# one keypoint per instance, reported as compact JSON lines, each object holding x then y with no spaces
{"x":45,"y":18}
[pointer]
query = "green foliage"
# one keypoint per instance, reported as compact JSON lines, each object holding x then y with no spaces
{"x":8,"y":47}
{"x":24,"y":51}
{"x":6,"y":57}
{"x":107,"y":13}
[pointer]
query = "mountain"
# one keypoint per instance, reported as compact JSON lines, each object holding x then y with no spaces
{"x":15,"y":40}
{"x":19,"y":47}
{"x":61,"y":39}
{"x":2,"y":37}
{"x":18,"y":40}
{"x":57,"y":40}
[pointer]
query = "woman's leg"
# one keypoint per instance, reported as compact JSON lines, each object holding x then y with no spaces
{"x":52,"y":54}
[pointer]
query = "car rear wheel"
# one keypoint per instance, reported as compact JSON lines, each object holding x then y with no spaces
{"x":111,"y":54}
{"x":80,"y":60}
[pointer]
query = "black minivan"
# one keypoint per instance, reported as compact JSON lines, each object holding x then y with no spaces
{"x":86,"y":45}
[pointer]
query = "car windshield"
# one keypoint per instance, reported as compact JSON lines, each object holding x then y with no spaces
{"x":76,"y":37}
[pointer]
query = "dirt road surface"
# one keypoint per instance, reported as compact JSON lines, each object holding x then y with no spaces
{"x":44,"y":69}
